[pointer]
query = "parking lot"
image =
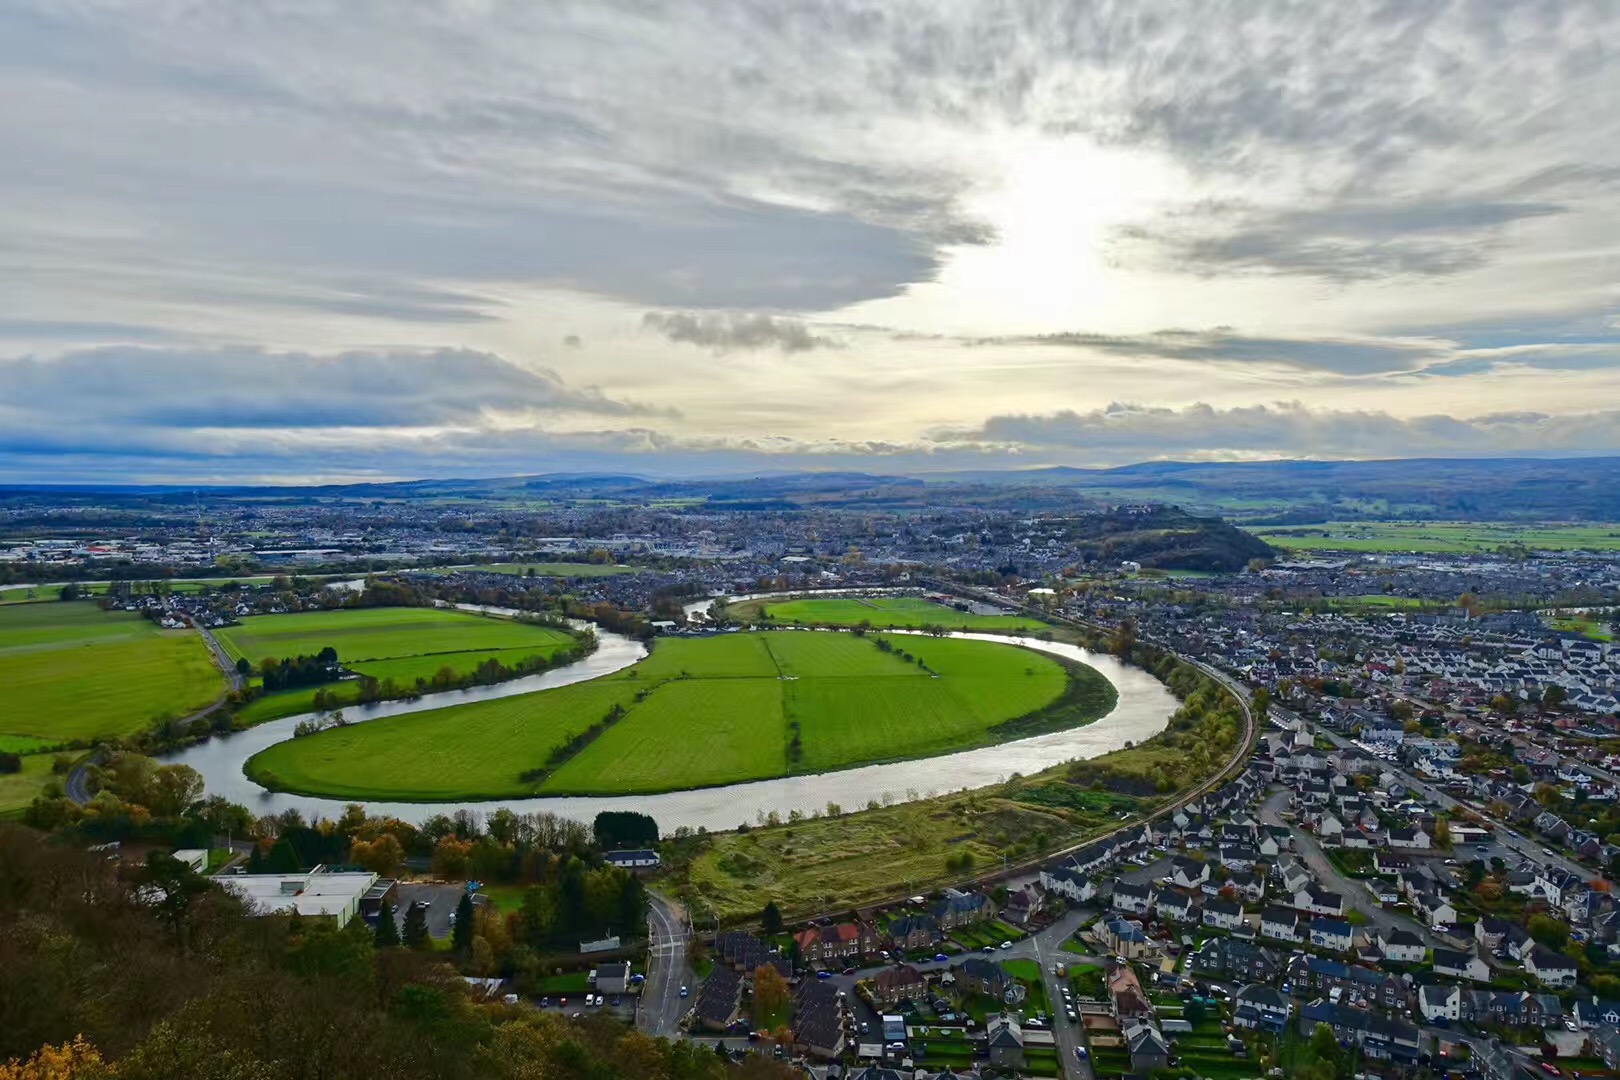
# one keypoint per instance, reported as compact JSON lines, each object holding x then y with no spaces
{"x":441,"y":901}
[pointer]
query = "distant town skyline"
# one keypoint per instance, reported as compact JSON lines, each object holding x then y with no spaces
{"x":337,"y":241}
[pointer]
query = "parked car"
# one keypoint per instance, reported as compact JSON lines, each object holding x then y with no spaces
{"x":683,"y":991}
{"x":823,"y":974}
{"x":942,"y":958}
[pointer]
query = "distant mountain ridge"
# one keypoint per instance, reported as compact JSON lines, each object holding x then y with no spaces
{"x":1260,"y":492}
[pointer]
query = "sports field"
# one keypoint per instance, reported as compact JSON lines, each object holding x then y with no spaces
{"x":1441,"y":537}
{"x":701,"y":712}
{"x":882,"y":612}
{"x":402,"y":644}
{"x":70,"y":672}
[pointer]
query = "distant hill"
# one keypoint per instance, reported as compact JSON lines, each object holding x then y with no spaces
{"x":1305,"y":492}
{"x":1166,"y":538}
{"x":1259,"y":493}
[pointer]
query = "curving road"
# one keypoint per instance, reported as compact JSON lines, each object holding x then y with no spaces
{"x":659,"y":1010}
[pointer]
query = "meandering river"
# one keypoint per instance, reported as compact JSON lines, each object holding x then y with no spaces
{"x":1143,"y":710}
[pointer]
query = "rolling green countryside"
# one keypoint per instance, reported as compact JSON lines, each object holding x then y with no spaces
{"x":74,"y":673}
{"x":1441,"y":537}
{"x":402,"y":644}
{"x":883,"y":612}
{"x":701,"y":712}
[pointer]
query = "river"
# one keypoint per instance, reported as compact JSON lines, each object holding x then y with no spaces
{"x":1143,"y":710}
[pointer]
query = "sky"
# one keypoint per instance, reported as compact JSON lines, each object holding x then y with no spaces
{"x":324,"y":240}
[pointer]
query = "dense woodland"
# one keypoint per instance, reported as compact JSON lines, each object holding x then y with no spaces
{"x":147,"y":972}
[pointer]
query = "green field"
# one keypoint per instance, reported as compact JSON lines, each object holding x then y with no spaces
{"x":882,"y":612}
{"x":22,"y":594}
{"x":402,"y":644}
{"x":705,"y":711}
{"x":73,"y":673}
{"x":17,"y":790}
{"x":1440,"y":537}
{"x":1595,"y":627}
{"x":541,"y":569}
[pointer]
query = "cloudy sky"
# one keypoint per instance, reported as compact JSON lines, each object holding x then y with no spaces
{"x":326,"y":239}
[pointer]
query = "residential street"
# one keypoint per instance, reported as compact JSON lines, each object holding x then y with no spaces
{"x":661,"y":1005}
{"x":1504,"y":835}
{"x":1355,"y":894}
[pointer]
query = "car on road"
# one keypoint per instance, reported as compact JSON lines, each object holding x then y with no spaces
{"x":849,"y":971}
{"x":1006,"y":944}
{"x":942,"y":958}
{"x":1080,"y":1053}
{"x":989,"y":948}
{"x":683,"y":991}
{"x":823,"y":974}
{"x":1482,"y":848}
{"x":1547,"y":851}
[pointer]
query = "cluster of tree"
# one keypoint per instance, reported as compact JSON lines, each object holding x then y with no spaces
{"x":572,"y":744}
{"x":615,"y":829}
{"x":603,"y":614}
{"x":1203,"y":732}
{"x":187,"y":983}
{"x":316,"y":725}
{"x":10,"y":763}
{"x":289,"y":673}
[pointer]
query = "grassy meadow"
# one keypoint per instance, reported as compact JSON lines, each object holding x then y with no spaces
{"x":402,"y":644}
{"x":881,"y":612}
{"x":540,"y":569}
{"x":705,"y":711}
{"x":1440,"y":537}
{"x":18,"y":789}
{"x":72,"y":673}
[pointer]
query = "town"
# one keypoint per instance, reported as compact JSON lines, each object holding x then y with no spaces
{"x":1410,"y":851}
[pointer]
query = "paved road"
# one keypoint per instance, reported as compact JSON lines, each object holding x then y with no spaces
{"x":668,"y":968}
{"x":221,"y":658}
{"x":1354,"y":892}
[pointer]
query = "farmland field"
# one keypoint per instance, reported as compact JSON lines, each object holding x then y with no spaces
{"x":1441,"y":537}
{"x":541,"y":569}
{"x":403,"y":644}
{"x":704,"y":711}
{"x":883,"y":612}
{"x":75,"y":673}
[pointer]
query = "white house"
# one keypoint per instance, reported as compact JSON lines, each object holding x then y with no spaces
{"x":1438,"y":1002}
{"x":1401,"y":946}
{"x":1334,"y":934}
{"x":1223,"y":914}
{"x":1461,"y":965}
{"x":1550,"y":968}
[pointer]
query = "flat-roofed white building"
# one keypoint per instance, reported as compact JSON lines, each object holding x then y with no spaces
{"x":315,"y":892}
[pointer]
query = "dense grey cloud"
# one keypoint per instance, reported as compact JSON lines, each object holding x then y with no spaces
{"x":1345,"y":356}
{"x":256,"y":389}
{"x":728,"y":332}
{"x":1124,"y":432}
{"x":1339,"y":243}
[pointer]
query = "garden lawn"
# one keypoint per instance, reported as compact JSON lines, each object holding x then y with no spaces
{"x":696,"y":712}
{"x":73,"y":673}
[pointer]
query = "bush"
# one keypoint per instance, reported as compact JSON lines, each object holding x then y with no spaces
{"x":10,"y":763}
